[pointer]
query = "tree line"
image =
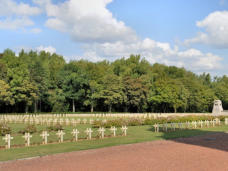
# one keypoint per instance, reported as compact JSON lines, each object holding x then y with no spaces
{"x":44,"y":82}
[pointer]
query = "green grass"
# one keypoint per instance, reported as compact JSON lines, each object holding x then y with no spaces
{"x":135,"y":135}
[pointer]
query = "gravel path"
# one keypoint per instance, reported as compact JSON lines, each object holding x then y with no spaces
{"x":203,"y":153}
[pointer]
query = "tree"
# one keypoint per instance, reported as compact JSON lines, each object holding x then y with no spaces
{"x":136,"y":93}
{"x":112,"y":90}
{"x":75,"y":84}
{"x":6,"y":97}
{"x":169,"y":93}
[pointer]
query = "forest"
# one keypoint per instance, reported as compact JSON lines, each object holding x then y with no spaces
{"x":43,"y":82}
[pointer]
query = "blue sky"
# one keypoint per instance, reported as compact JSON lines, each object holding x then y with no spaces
{"x":185,"y":33}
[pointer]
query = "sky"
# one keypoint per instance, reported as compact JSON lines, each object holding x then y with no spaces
{"x":185,"y":33}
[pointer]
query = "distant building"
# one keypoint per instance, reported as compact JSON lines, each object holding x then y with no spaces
{"x":217,"y":108}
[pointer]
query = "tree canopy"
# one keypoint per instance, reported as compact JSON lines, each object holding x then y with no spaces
{"x":44,"y":82}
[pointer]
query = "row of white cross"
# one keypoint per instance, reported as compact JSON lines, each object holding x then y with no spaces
{"x":187,"y":125}
{"x":122,"y":115}
{"x":50,"y":121}
{"x":60,"y":134}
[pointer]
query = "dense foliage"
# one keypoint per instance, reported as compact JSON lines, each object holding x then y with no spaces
{"x":44,"y":82}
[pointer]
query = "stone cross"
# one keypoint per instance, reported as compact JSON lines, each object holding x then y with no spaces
{"x":194,"y":123}
{"x":91,"y":121}
{"x":213,"y":123}
{"x":124,"y":130}
{"x":226,"y":121}
{"x":101,"y":132}
{"x":84,"y":121}
{"x":67,"y":121}
{"x":74,"y":122}
{"x":219,"y":122}
{"x":113,"y":129}
{"x":207,"y":123}
{"x":27,"y":137}
{"x":165,"y":127}
{"x":88,"y":132}
{"x":75,"y":133}
{"x":180,"y":125}
{"x":61,"y":121}
{"x":78,"y":120}
{"x":44,"y":136}
{"x":156,"y":128}
{"x":201,"y":124}
{"x":60,"y":134}
{"x":172,"y":126}
{"x":7,"y":139}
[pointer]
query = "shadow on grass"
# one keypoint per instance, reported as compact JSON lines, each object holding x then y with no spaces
{"x":205,"y":138}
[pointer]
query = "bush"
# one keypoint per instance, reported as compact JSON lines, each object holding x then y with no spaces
{"x":29,"y":129}
{"x":4,"y":129}
{"x":135,"y":122}
{"x":55,"y":127}
{"x":110,"y":123}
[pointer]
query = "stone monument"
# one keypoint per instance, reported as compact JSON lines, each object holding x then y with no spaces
{"x":217,"y":108}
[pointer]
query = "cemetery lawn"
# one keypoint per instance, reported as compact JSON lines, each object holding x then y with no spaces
{"x":136,"y":134}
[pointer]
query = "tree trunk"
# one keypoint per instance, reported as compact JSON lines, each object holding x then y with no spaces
{"x":110,"y":108}
{"x":73,"y":106}
{"x":125,"y":109}
{"x":91,"y":109}
{"x":26,"y":108}
{"x":175,"y":110}
{"x":40,"y":107}
{"x":35,"y":106}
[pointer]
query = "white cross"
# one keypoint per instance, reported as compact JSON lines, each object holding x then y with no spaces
{"x":113,"y":129}
{"x":213,"y":123}
{"x":74,"y":123}
{"x":194,"y":123}
{"x":219,"y":122}
{"x":91,"y":121}
{"x":7,"y":139}
{"x":207,"y":123}
{"x":201,"y":124}
{"x":165,"y":127}
{"x":124,"y":130}
{"x":60,"y":134}
{"x":27,"y":137}
{"x":180,"y":125}
{"x":78,"y":120}
{"x":61,"y":121}
{"x":44,"y":136}
{"x":88,"y":132}
{"x":173,"y":126}
{"x":84,"y":121}
{"x":75,"y":133}
{"x":226,"y":121}
{"x":67,"y":121}
{"x":101,"y":132}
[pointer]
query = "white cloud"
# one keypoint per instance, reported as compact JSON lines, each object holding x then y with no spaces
{"x":36,"y":30}
{"x":153,"y":51}
{"x":49,"y":49}
{"x":216,"y":30}
{"x":102,"y":36}
{"x":10,"y":7}
{"x":86,"y":21}
{"x":17,"y":23}
{"x":15,"y":15}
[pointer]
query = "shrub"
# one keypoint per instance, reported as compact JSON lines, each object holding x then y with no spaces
{"x":110,"y":123}
{"x":4,"y":129}
{"x":55,"y":127}
{"x":29,"y":129}
{"x":135,"y":122}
